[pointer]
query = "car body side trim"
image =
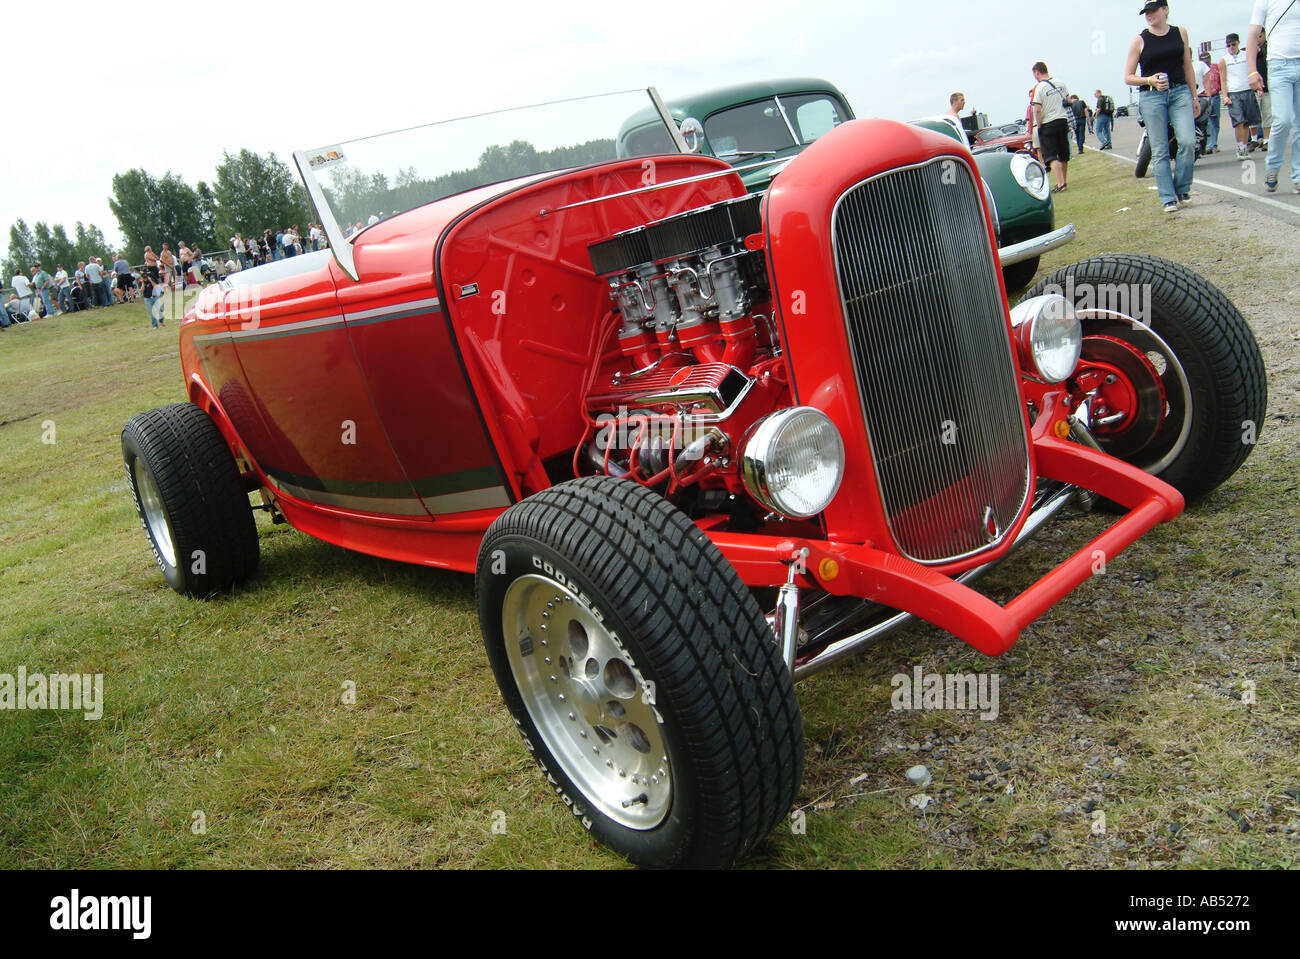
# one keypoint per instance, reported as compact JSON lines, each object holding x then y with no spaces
{"x":492,"y":497}
{"x":396,"y":311}
{"x":457,"y":492}
{"x":399,"y":506}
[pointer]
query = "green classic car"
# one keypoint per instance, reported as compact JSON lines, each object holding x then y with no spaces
{"x":757,"y":127}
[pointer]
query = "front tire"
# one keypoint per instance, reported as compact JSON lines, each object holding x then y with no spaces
{"x":640,"y":672}
{"x":1193,"y":383}
{"x":190,"y":499}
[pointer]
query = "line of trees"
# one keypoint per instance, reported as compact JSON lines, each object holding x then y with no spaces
{"x":252,"y":193}
{"x":354,"y":194}
{"x":50,"y":246}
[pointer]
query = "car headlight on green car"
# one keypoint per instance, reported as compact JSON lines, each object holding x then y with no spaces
{"x":1031,"y":176}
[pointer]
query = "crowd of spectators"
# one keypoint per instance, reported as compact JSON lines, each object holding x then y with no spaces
{"x":41,"y":294}
{"x":93,"y":284}
{"x":249,"y":251}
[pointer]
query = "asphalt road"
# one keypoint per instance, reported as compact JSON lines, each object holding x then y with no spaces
{"x":1222,"y":173}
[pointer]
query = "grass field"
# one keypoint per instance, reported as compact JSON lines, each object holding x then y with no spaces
{"x":225,"y":740}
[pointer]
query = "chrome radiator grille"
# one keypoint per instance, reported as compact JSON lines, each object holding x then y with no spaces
{"x":933,"y":363}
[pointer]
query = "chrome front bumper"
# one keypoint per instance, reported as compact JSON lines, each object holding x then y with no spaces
{"x":1037,"y":246}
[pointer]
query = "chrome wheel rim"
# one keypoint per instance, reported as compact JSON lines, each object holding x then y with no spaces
{"x":588,"y":701}
{"x":155,"y":516}
{"x":1176,"y":383}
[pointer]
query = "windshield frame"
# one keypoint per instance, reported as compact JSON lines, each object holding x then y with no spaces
{"x":341,"y":244}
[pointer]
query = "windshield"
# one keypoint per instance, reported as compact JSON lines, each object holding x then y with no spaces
{"x":769,"y":126}
{"x":355,"y":183}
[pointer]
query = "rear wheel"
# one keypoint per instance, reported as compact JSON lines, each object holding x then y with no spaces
{"x":1174,"y":376}
{"x":190,"y":498}
{"x":640,"y":672}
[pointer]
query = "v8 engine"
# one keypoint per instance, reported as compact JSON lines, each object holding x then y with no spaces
{"x":702,"y":358}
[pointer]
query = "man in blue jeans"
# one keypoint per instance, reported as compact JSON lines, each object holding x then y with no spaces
{"x":1105,"y":119}
{"x":43,"y":284}
{"x":1207,"y":78}
{"x":63,"y":290}
{"x":1281,"y":19}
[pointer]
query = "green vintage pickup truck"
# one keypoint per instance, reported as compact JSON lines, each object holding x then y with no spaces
{"x":758,"y":126}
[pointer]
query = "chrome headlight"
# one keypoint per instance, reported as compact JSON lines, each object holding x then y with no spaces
{"x":1031,"y":176}
{"x":793,"y":462}
{"x":1049,"y":337}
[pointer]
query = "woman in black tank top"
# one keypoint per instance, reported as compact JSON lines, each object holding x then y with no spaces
{"x":1160,"y":63}
{"x":1163,"y":55}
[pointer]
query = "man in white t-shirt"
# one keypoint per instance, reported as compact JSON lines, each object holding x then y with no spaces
{"x":1238,"y":96}
{"x":63,"y":290}
{"x":95,"y":277}
{"x":23,"y":287}
{"x":1280,"y":21}
{"x":1052,"y":122}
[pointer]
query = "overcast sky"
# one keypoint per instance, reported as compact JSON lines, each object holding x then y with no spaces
{"x":171,"y":88}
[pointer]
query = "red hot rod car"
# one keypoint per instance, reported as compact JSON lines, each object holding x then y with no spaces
{"x":693,"y":444}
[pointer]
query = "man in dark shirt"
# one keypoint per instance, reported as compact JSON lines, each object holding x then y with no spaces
{"x":1105,"y":119}
{"x":125,"y":283}
{"x":1080,"y":111}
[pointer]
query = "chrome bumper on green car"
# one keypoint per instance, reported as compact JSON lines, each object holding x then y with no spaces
{"x":1036,"y":246}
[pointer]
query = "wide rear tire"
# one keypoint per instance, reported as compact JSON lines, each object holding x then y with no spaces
{"x":190,"y":499}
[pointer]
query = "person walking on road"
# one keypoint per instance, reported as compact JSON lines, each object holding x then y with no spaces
{"x":1207,"y":81}
{"x":1105,"y":119}
{"x":1280,"y":21}
{"x":1238,"y":95}
{"x":1051,"y":120}
{"x":1080,"y":111}
{"x":1164,"y":56}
